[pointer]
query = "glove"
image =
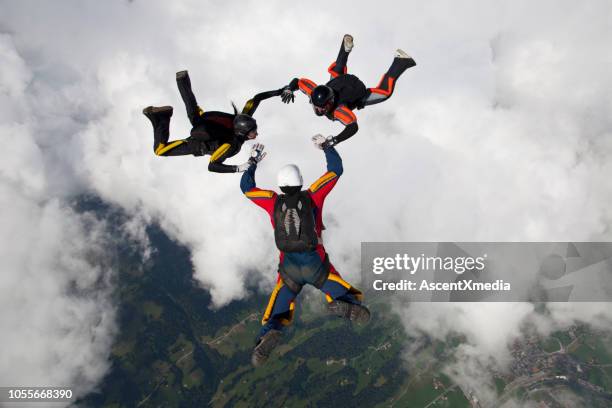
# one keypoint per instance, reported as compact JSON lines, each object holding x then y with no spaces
{"x":322,"y":142}
{"x":257,"y":153}
{"x":287,"y":96}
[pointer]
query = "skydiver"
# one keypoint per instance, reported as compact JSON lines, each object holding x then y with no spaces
{"x":219,"y":134}
{"x":296,"y":217}
{"x":345,"y":92}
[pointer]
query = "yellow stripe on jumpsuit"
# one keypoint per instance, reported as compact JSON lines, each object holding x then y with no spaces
{"x":281,"y":305}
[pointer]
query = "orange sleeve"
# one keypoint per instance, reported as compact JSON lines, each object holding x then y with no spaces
{"x":344,"y":115}
{"x":306,"y":86}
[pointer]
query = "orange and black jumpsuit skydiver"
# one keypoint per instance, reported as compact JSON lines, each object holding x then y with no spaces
{"x":279,"y":312}
{"x":350,"y":92}
{"x":212,"y":132}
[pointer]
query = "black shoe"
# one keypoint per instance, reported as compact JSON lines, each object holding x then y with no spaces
{"x":401,"y":62}
{"x":347,"y":42}
{"x":182,"y":75}
{"x":265,"y":346}
{"x":351,"y":311}
{"x":158,"y":114}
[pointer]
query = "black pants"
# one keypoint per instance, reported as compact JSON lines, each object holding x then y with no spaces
{"x":385,"y":87}
{"x":181,"y":147}
{"x":193,"y":110}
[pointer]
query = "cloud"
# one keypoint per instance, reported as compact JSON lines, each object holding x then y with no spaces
{"x":57,"y":319}
{"x":501,"y":132}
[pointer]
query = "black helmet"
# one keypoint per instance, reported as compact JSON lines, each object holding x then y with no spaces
{"x":243,"y":124}
{"x":322,"y":99}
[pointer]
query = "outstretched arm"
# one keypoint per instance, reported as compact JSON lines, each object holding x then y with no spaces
{"x":303,"y":84}
{"x":217,"y":167}
{"x":348,"y":119}
{"x":345,"y":116}
{"x":347,"y":132}
{"x":293,"y":85}
{"x":216,"y":164}
{"x":325,"y":184}
{"x":334,"y":161}
{"x":262,"y":198}
{"x":247,"y":181}
{"x":226,"y":150}
{"x":251,"y":106}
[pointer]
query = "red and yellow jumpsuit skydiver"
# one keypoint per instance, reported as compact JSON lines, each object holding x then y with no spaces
{"x":345,"y":92}
{"x":340,"y":295}
{"x":219,"y":134}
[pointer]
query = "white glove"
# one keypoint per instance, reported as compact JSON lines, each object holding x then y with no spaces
{"x":322,"y":142}
{"x":257,"y":153}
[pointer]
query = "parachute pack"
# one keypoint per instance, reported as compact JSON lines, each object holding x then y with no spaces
{"x":294,"y":222}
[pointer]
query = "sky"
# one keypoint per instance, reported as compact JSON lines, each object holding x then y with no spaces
{"x":500,"y":133}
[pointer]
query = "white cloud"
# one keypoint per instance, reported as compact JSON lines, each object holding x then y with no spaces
{"x":57,"y":320}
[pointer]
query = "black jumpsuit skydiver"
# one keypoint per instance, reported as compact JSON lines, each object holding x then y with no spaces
{"x":212,"y":132}
{"x":351,"y":93}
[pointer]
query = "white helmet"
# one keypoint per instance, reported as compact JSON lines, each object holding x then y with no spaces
{"x":289,"y":176}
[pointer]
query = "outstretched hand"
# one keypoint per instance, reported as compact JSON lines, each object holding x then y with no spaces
{"x":322,"y":142}
{"x":257,"y":153}
{"x":287,"y":96}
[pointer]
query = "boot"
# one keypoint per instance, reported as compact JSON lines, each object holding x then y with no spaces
{"x":183,"y":75}
{"x":399,"y":53}
{"x":347,"y":42}
{"x":265,"y":346}
{"x":401,"y":62}
{"x":158,"y":115}
{"x":351,"y":311}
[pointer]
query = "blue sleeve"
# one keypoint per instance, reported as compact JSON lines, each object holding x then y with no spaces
{"x":334,"y":162}
{"x":247,"y":181}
